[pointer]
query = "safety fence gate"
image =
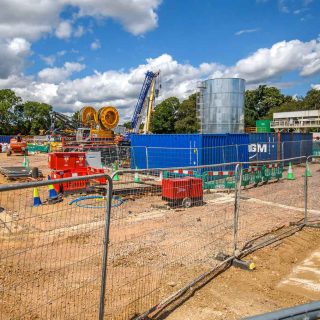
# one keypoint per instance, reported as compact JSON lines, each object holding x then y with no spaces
{"x":52,"y":248}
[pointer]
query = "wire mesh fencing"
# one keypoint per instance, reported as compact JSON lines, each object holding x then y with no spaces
{"x":312,"y":182}
{"x":167,"y":232}
{"x":110,"y":154}
{"x":162,"y":238}
{"x":51,"y":248}
{"x":271,"y":207}
{"x":296,"y":149}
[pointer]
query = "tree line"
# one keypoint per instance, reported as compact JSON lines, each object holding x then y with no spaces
{"x":169,"y":116}
{"x":22,"y":117}
{"x":262,"y":102}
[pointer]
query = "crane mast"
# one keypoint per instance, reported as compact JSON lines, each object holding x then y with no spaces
{"x":144,"y":105}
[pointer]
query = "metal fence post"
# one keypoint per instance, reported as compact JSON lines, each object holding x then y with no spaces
{"x":105,"y":248}
{"x":223,"y":155}
{"x":306,"y":193}
{"x":238,"y":174}
{"x":237,"y":152}
{"x":147,"y":158}
{"x":197,"y":153}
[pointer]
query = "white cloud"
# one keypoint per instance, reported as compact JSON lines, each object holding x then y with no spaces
{"x":19,"y":46}
{"x":112,"y":87}
{"x":79,"y":32}
{"x":299,"y":11}
{"x":283,"y":6}
{"x":282,"y":57}
{"x":49,"y":60}
{"x":137,"y":16}
{"x":28,"y":19}
{"x":12,"y":56}
{"x":64,"y":30}
{"x":61,"y":53}
{"x":32,"y":19}
{"x":22,"y":22}
{"x":240,"y":32}
{"x":291,"y":6}
{"x":95,"y":44}
{"x":56,"y":75}
{"x":121,"y":88}
{"x":315,"y":86}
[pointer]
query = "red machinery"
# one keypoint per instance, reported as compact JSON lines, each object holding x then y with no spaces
{"x":71,"y":164}
{"x":184,"y":191}
{"x":18,"y":145}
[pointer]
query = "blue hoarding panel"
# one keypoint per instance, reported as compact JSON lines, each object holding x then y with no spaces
{"x":212,"y":151}
{"x":296,"y":145}
{"x":5,"y":139}
{"x":164,"y":150}
{"x":240,"y":152}
{"x":183,"y":150}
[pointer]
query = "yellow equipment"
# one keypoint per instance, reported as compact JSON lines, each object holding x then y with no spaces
{"x":108,"y":117}
{"x":98,"y":124}
{"x":89,"y":116}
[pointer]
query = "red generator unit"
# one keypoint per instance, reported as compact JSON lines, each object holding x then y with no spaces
{"x":67,"y":160}
{"x":184,"y":191}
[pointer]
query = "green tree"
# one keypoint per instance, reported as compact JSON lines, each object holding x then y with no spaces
{"x":258,"y":103}
{"x":250,"y":111}
{"x":37,"y":116}
{"x":127,"y":125}
{"x":20,"y":124}
{"x":8,"y":101}
{"x":289,"y":105}
{"x":76,"y":116}
{"x":164,"y":116}
{"x":312,"y":100}
{"x":187,"y":121}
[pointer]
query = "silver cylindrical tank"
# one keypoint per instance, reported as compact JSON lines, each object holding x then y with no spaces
{"x":221,"y":105}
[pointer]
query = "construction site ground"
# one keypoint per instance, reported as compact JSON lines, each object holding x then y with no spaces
{"x":286,"y":272}
{"x":238,"y":293}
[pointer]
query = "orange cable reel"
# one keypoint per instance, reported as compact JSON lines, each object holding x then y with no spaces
{"x":108,"y":117}
{"x":89,"y":116}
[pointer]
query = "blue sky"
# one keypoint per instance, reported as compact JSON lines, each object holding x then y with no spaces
{"x":72,"y":53}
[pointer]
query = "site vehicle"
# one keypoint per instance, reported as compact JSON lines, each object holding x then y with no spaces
{"x":18,"y":145}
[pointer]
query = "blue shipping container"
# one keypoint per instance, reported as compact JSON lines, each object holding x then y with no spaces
{"x":5,"y":139}
{"x":185,"y":150}
{"x":263,"y":147}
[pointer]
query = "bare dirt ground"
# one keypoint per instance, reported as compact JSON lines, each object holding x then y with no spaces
{"x":238,"y":293}
{"x":50,"y":256}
